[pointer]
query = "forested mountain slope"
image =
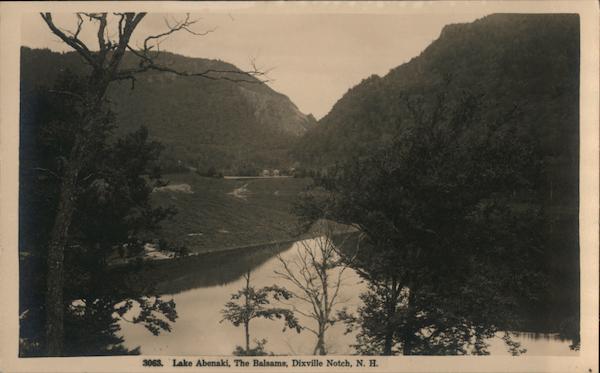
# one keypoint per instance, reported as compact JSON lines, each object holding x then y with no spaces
{"x":523,"y":68}
{"x":201,"y":122}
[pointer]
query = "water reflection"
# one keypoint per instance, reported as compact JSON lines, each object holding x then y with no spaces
{"x":536,"y":344}
{"x":214,"y":269}
{"x":201,"y":286}
{"x":541,"y":336}
{"x":199,"y":329}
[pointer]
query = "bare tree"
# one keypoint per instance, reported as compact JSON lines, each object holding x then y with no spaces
{"x":316,"y":273}
{"x":106,"y":67}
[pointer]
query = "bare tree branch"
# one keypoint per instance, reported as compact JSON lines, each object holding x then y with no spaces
{"x":79,"y":25}
{"x":72,"y":41}
{"x":148,"y":61}
{"x":105,"y":68}
{"x":316,"y":272}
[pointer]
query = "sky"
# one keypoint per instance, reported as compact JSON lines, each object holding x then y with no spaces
{"x":313,"y":54}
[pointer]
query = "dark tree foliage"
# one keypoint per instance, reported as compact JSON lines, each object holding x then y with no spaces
{"x":249,"y":304}
{"x":112,"y":215}
{"x":450,"y":229}
{"x":524,"y":64}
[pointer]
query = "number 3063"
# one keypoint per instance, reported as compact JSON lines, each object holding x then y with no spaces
{"x":152,"y":363}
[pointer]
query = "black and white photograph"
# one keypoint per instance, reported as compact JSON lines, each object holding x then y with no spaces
{"x":303,"y":185}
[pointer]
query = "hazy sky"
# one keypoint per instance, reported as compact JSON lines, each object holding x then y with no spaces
{"x":315,"y":56}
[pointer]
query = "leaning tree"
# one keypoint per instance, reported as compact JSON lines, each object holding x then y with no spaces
{"x":106,"y":66}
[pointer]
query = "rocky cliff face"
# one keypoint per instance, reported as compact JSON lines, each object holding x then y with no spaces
{"x":277,"y":111}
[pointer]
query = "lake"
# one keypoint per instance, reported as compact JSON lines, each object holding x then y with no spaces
{"x":201,"y":294}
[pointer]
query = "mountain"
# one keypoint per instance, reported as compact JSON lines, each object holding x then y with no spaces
{"x":514,"y":61}
{"x":524,"y":71}
{"x":201,"y":122}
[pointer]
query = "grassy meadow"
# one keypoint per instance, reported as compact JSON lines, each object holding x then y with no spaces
{"x":218,"y":214}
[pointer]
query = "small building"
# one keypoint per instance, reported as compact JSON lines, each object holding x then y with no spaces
{"x":265,"y":173}
{"x":275,"y":172}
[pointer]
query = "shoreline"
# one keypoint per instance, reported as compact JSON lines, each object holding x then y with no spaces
{"x":124,"y":262}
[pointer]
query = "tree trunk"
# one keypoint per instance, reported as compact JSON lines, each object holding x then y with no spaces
{"x":388,"y":343}
{"x":409,"y":329}
{"x":247,"y":329}
{"x":389,"y":339}
{"x":322,"y":350}
{"x":60,"y":233}
{"x":407,"y":345}
{"x":56,"y":253}
{"x":247,"y":321}
{"x":326,"y":310}
{"x":99,"y":80}
{"x":320,"y":346}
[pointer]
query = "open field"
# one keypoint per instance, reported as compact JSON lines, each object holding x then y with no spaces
{"x":217,"y":214}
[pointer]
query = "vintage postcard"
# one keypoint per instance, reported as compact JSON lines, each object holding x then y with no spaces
{"x":299,"y":186}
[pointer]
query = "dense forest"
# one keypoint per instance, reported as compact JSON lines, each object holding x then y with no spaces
{"x":518,"y":72}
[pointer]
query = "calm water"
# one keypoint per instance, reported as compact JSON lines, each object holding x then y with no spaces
{"x":200,"y":298}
